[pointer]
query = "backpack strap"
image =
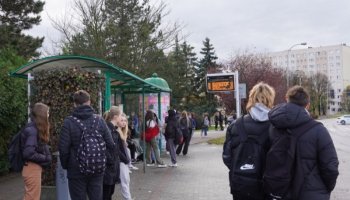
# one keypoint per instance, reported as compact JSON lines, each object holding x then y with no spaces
{"x":299,"y":131}
{"x":241,"y":129}
{"x":77,"y":121}
{"x":243,"y":134}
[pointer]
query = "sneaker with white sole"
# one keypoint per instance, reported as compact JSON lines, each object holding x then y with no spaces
{"x":150,"y":165}
{"x":161,"y":165}
{"x":173,"y":165}
{"x":133,"y":167}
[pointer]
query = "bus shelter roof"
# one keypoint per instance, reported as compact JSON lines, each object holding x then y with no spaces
{"x":120,"y":79}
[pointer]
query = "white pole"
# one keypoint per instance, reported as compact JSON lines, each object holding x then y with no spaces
{"x":238,"y":102}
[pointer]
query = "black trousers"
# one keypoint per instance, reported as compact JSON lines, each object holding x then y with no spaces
{"x":108,"y":191}
{"x":132,"y":148}
{"x":91,"y":186}
{"x":185,"y":144}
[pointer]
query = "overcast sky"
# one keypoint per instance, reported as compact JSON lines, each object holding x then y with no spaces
{"x":236,"y":25}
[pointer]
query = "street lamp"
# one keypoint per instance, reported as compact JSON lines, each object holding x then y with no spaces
{"x":289,"y":50}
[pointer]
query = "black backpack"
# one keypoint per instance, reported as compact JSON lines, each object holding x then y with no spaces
{"x":15,"y":152}
{"x":248,"y":162}
{"x":91,"y":153}
{"x":283,"y":166}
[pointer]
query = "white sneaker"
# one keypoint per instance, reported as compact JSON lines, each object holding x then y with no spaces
{"x":133,"y":167}
{"x":161,"y":166}
{"x":150,"y":165}
{"x":173,"y":165}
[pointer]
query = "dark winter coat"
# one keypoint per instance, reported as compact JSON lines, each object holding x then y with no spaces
{"x":170,"y":129}
{"x":123,"y":156}
{"x":316,"y":149}
{"x":112,"y":172}
{"x":33,"y":149}
{"x":252,"y":127}
{"x":185,"y":126}
{"x":70,"y":138}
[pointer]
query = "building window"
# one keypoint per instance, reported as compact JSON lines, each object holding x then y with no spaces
{"x":333,"y":109}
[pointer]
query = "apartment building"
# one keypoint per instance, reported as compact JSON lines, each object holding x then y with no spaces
{"x":334,"y":61}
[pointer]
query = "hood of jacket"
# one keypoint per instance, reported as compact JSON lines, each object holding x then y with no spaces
{"x":288,"y":115}
{"x":83,"y":112}
{"x":259,"y":112}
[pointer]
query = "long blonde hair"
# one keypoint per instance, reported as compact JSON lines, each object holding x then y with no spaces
{"x":123,"y":131}
{"x":40,"y":117}
{"x":261,"y":93}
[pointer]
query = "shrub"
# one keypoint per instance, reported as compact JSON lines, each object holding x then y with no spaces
{"x":55,"y":87}
{"x":13,"y":101}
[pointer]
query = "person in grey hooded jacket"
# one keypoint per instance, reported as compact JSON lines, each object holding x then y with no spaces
{"x":256,"y":123}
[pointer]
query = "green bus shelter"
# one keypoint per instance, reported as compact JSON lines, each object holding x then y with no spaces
{"x":117,"y":80}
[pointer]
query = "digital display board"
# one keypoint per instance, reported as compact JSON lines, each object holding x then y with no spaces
{"x":220,"y":82}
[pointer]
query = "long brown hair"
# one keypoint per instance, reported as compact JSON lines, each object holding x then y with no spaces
{"x":40,"y":117}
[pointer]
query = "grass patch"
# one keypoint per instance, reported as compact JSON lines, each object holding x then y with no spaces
{"x":217,"y":141}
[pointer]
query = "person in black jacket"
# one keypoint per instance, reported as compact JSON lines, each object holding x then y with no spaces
{"x":80,"y":184}
{"x":124,"y":156}
{"x":36,"y":154}
{"x":256,"y":123}
{"x":112,"y":173}
{"x":170,"y":132}
{"x":319,"y":159}
{"x":186,"y":129}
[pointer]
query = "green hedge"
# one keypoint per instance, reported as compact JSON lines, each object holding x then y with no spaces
{"x":55,"y":87}
{"x":13,"y":101}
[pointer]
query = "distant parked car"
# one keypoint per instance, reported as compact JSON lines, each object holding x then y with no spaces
{"x":345,"y":119}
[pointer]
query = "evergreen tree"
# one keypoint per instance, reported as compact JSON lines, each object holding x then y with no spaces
{"x":206,"y":64}
{"x":191,"y":64}
{"x":177,"y":67}
{"x":15,"y":17}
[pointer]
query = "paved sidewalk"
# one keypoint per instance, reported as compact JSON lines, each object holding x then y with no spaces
{"x":157,"y":183}
{"x":201,"y":175}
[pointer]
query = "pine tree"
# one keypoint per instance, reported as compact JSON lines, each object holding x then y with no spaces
{"x":206,"y":64}
{"x":177,"y":65}
{"x":191,"y":64}
{"x":15,"y":17}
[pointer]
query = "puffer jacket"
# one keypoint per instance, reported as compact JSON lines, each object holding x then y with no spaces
{"x":70,"y":138}
{"x":316,"y":149}
{"x":33,"y":149}
{"x":252,"y":127}
{"x":112,"y":172}
{"x":170,"y":129}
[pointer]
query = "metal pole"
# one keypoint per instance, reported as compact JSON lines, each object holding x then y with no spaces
{"x":143,"y":130}
{"x":30,"y":77}
{"x":289,"y":50}
{"x":238,"y":102}
{"x":107,"y":91}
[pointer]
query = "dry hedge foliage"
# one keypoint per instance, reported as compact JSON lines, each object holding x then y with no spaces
{"x":55,"y":88}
